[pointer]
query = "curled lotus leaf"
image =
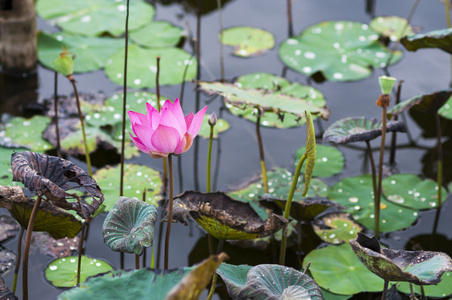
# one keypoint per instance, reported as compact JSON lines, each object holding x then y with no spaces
{"x":418,"y":267}
{"x":426,"y":103}
{"x":129,"y":226}
{"x":441,"y":39}
{"x":224,"y":217}
{"x":269,"y":282}
{"x":51,"y":177}
{"x":353,"y":129}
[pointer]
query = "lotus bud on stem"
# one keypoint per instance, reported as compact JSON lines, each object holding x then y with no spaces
{"x":212,"y":121}
{"x":386,"y":85}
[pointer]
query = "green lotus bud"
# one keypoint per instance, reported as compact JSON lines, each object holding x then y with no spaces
{"x":386,"y":84}
{"x":213,"y":119}
{"x":64,"y":64}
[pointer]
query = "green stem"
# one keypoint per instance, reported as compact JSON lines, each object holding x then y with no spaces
{"x":31,"y":223}
{"x":372,"y":167}
{"x":82,"y":125}
{"x":209,"y":159}
{"x":447,"y":5}
{"x":261,"y":152}
{"x":215,"y":275}
{"x":282,"y":253}
{"x":377,"y":199}
{"x":439,"y":147}
{"x":55,"y":107}
{"x":80,"y":252}
{"x":18,"y":257}
{"x":170,"y":210}
{"x":221,"y":41}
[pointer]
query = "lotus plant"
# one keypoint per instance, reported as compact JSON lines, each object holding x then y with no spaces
{"x":163,"y":134}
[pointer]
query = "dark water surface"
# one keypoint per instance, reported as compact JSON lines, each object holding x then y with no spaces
{"x":423,"y":71}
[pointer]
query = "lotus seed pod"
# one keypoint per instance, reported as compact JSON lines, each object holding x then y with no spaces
{"x":386,"y":84}
{"x":64,"y":64}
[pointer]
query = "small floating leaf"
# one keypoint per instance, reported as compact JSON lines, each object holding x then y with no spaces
{"x":336,"y":228}
{"x":441,"y":39}
{"x":393,"y":27}
{"x":157,"y":34}
{"x":329,"y":160}
{"x":248,"y":41}
{"x":410,"y":191}
{"x":129,"y":226}
{"x":62,"y":272}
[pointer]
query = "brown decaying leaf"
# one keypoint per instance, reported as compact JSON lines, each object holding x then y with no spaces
{"x":51,"y":177}
{"x":8,"y":195}
{"x":47,"y":245}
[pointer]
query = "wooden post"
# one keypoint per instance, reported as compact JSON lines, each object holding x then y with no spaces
{"x":18,"y":37}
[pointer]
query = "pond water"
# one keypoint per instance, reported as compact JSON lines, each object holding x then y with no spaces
{"x":424,"y":71}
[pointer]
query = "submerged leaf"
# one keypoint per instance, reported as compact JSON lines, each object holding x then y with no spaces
{"x":247,"y":40}
{"x":157,"y":34}
{"x":55,"y":248}
{"x":393,"y":27}
{"x":51,"y":177}
{"x":129,"y":226}
{"x":441,"y":39}
{"x":418,"y":267}
{"x":224,"y":217}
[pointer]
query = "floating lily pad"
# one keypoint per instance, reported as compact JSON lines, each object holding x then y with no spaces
{"x":157,"y":34}
{"x":356,"y":193}
{"x":51,"y":219}
{"x":129,"y":226}
{"x":121,"y":284}
{"x":93,"y":18}
{"x":28,"y":132}
{"x":91,"y":52}
{"x":331,"y":264}
{"x":446,"y":110}
{"x":441,"y":290}
{"x":136,"y":178}
{"x":410,"y":191}
{"x":426,"y":103}
{"x":52,"y":177}
{"x":329,"y":160}
{"x":336,"y":228}
{"x":142,"y":67}
{"x":195,"y":282}
{"x":248,"y":41}
{"x":393,"y":27}
{"x":268,"y":281}
{"x":340,"y":50}
{"x":223,"y":217}
{"x":441,"y":39}
{"x":62,"y":272}
{"x":221,"y":126}
{"x":7,"y":261}
{"x":276,"y":85}
{"x":354,"y":129}
{"x":418,"y":267}
{"x":260,"y":99}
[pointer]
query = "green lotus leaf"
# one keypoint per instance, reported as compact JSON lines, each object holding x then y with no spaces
{"x":62,"y":272}
{"x":122,"y":284}
{"x":276,"y":85}
{"x":129,"y":226}
{"x":195,"y":282}
{"x":223,"y":217}
{"x":94,"y":18}
{"x":262,"y":100}
{"x":6,"y":173}
{"x":446,"y":110}
{"x":91,"y":52}
{"x":441,"y":39}
{"x":142,"y":67}
{"x":157,"y":34}
{"x":329,"y":160}
{"x":441,"y":290}
{"x":247,"y":41}
{"x":418,"y":267}
{"x":336,"y":228}
{"x":356,"y":193}
{"x":7,"y":261}
{"x":136,"y":178}
{"x":49,"y":218}
{"x":221,"y":126}
{"x":393,"y":27}
{"x":426,"y":103}
{"x":340,"y":50}
{"x":27,"y":132}
{"x":331,"y":264}
{"x":268,"y":281}
{"x":327,"y":295}
{"x":410,"y":191}
{"x":353,"y":129}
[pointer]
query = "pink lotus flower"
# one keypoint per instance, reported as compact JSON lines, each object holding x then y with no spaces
{"x":166,"y":132}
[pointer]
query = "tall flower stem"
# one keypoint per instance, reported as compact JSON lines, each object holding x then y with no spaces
{"x":385,"y":287}
{"x":80,"y":251}
{"x":212,"y":122}
{"x":221,"y":41}
{"x":372,"y":167}
{"x":55,"y":105}
{"x":215,"y":275}
{"x":439,"y":147}
{"x":282,"y":253}
{"x":170,"y":210}
{"x":82,"y":125}
{"x":447,"y":6}
{"x":394,"y":134}
{"x":261,"y":152}
{"x":19,"y":254}
{"x":289,"y":17}
{"x":380,"y":172}
{"x":31,"y":223}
